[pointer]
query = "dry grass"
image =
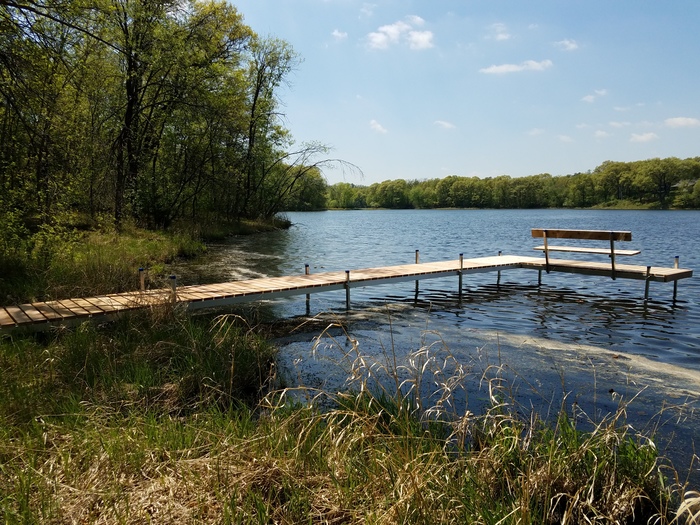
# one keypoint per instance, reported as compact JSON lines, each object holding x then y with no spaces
{"x":398,"y":445}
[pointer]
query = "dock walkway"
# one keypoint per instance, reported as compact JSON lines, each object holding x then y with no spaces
{"x":41,"y":315}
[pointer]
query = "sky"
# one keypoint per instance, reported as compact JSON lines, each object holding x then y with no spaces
{"x":422,"y":89}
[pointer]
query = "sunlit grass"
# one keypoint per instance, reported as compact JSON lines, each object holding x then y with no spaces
{"x":62,"y":263}
{"x":166,"y":418}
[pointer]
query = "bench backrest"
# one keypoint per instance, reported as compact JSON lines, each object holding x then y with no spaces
{"x":594,"y":235}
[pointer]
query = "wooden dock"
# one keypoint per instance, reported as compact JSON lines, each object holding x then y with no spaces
{"x":42,"y":315}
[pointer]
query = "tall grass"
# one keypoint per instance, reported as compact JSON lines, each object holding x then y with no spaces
{"x":165,"y":418}
{"x":57,"y":262}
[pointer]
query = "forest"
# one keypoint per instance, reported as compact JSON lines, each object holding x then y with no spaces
{"x":653,"y":183}
{"x":147,"y":111}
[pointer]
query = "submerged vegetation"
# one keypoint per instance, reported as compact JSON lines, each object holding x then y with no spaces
{"x":162,"y":417}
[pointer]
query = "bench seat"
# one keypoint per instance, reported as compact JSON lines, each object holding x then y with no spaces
{"x":581,"y":249}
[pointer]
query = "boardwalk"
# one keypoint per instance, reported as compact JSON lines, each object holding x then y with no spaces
{"x":41,"y":315}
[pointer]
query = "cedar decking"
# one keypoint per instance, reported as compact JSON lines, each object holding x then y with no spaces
{"x":41,"y":315}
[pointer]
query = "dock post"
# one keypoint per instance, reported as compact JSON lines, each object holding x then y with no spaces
{"x":612,"y":254}
{"x":415,"y":299}
{"x":308,"y":296}
{"x":460,"y":274}
{"x":347,"y":289}
{"x":498,"y":278}
{"x":676,"y":265}
{"x":646,"y":284}
{"x":173,"y":288}
{"x":142,"y":279}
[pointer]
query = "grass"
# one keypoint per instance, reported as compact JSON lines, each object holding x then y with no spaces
{"x":59,"y":263}
{"x":166,"y":418}
{"x":219,"y":231}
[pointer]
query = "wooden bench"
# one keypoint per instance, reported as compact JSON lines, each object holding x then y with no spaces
{"x":586,"y":235}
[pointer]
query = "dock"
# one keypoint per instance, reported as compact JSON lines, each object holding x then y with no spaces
{"x":43,"y":315}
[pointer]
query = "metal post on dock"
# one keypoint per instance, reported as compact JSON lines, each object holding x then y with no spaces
{"x":415,"y":298}
{"x":142,"y":279}
{"x":612,"y":254}
{"x":173,"y":288}
{"x":646,"y":284}
{"x":308,"y":296}
{"x":461,"y":268}
{"x":498,"y":278}
{"x":347,"y":289}
{"x":676,"y":265}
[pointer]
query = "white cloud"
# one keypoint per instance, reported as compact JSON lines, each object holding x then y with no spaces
{"x":596,"y":94}
{"x":387,"y":35}
{"x":565,"y":138}
{"x":567,"y":44}
{"x":415,"y":20}
{"x":616,"y":124}
{"x":391,"y":34}
{"x":420,"y":39}
{"x":535,"y":132}
{"x":444,"y":124}
{"x":499,"y":32}
{"x":643,"y":137}
{"x":600,"y":134}
{"x":682,"y":122}
{"x":376,"y":126}
{"x":339,"y":35}
{"x":367,"y":10}
{"x":528,"y":65}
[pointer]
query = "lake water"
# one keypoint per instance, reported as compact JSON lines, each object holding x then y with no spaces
{"x":576,"y":340}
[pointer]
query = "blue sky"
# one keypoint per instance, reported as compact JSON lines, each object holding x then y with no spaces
{"x":422,"y":89}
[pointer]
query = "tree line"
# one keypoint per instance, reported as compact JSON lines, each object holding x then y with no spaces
{"x":145,"y":110}
{"x":653,"y":183}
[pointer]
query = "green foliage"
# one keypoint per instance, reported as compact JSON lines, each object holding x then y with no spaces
{"x":149,"y":111}
{"x":59,"y":262}
{"x":654,"y":183}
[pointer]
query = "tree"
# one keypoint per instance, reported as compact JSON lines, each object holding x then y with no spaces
{"x":309,"y":193}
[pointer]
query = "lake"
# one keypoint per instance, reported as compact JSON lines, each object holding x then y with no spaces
{"x":587,"y":341}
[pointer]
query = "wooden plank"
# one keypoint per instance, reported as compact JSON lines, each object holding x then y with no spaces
{"x":18,"y":315}
{"x":35,"y":315}
{"x":105,"y":306}
{"x":595,"y":235}
{"x":74,"y":308}
{"x":581,"y":249}
{"x":125,"y":301}
{"x":87,"y":305}
{"x":53,"y":311}
{"x":113,"y":301}
{"x":5,"y":318}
